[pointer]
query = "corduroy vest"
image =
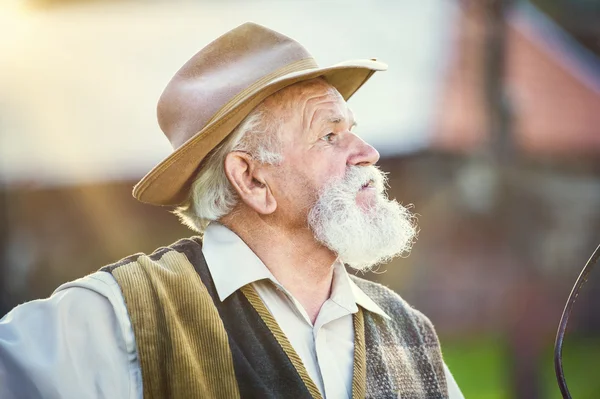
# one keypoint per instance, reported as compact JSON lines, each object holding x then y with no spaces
{"x":192,"y":345}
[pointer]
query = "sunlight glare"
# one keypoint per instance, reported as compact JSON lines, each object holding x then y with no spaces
{"x":14,"y":21}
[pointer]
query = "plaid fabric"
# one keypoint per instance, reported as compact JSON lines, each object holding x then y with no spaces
{"x":404,"y":359}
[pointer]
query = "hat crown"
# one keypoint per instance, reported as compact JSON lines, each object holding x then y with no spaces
{"x":220,"y":72}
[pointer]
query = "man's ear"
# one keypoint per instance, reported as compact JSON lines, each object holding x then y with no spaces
{"x":247,"y":177}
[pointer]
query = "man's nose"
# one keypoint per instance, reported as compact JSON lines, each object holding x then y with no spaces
{"x":363,"y":154}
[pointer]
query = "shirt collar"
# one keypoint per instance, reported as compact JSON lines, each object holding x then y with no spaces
{"x":367,"y":303}
{"x":232,"y":265}
{"x":344,"y":287}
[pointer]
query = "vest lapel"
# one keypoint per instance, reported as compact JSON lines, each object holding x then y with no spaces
{"x":359,"y":378}
{"x":252,"y":296}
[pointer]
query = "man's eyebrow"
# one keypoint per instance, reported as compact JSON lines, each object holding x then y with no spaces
{"x":340,"y":119}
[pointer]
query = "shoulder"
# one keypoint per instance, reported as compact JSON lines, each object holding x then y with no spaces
{"x":394,"y":305}
{"x":158,"y":279}
{"x":77,"y":300}
{"x":191,"y":248}
{"x":95,"y":298}
{"x":91,"y":303}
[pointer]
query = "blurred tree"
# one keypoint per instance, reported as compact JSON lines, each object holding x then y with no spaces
{"x":501,"y":157}
{"x":4,"y":307}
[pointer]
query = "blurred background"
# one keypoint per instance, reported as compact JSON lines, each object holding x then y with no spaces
{"x":488,"y":121}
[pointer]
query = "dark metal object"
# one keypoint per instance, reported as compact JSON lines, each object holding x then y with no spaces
{"x":562,"y":328}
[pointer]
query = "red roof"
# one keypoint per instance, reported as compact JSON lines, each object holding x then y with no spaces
{"x":555,"y":99}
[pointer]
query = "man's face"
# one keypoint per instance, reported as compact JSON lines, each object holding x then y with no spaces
{"x":327,"y":180}
{"x":318,"y":146}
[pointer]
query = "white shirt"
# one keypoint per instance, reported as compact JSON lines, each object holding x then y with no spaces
{"x":79,"y":343}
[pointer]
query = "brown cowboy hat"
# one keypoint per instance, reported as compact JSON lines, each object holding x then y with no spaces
{"x":219,"y":86}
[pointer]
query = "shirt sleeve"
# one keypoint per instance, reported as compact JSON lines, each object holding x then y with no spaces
{"x":76,"y":344}
{"x":454,"y":391}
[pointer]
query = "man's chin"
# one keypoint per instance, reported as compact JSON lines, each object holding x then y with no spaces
{"x":387,"y":236}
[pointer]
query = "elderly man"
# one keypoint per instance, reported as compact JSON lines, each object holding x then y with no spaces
{"x":268,"y":169}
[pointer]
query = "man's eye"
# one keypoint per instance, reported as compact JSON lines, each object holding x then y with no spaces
{"x":329,"y":137}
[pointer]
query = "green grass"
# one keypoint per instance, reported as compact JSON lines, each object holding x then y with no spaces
{"x":581,"y":364}
{"x":481,"y":368}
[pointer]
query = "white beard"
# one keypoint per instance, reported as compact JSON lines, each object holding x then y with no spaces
{"x":362,"y":237}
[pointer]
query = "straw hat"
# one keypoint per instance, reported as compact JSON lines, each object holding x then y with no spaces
{"x":219,"y":86}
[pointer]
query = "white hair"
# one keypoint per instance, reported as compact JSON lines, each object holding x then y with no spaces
{"x":362,"y":238}
{"x":211,"y":194}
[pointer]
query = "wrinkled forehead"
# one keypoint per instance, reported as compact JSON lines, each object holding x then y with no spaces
{"x":322,"y":107}
{"x":309,"y":99}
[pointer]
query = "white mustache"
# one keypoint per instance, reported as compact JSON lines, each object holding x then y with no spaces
{"x":358,"y":177}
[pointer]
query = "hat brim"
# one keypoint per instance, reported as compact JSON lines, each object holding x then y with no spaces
{"x":168,"y":182}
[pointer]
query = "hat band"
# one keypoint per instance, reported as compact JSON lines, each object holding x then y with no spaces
{"x":295,"y":66}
